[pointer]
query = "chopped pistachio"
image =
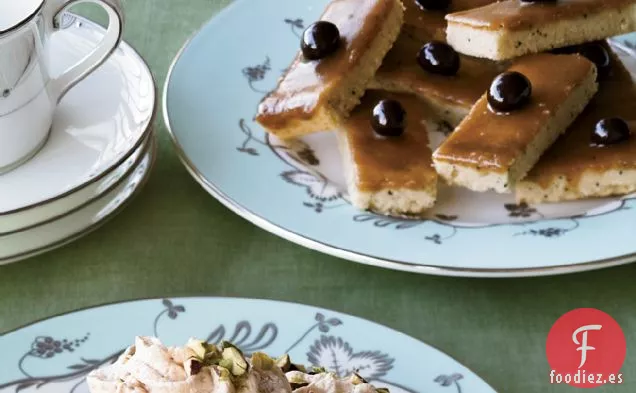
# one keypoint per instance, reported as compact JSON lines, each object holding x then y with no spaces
{"x":297,"y":379}
{"x":382,"y":390}
{"x":212,"y":354}
{"x":223,"y":373}
{"x":238,"y":365}
{"x":284,"y":363}
{"x":198,"y":347}
{"x":227,"y":344}
{"x":295,"y":386}
{"x":261,"y":361}
{"x":317,"y":370}
{"x":357,"y":379}
{"x":226,"y":363}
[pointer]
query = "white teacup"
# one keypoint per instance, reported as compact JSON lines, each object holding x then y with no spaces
{"x":28,"y":94}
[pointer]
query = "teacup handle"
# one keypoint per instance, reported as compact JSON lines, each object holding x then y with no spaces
{"x":59,"y":86}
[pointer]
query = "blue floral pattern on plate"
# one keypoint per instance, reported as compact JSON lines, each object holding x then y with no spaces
{"x":293,"y":190}
{"x":55,"y":355}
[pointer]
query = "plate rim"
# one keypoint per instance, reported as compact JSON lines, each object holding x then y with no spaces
{"x":151,"y":150}
{"x":238,"y":298}
{"x":346,"y":254}
{"x":142,"y":137}
{"x":143,"y":149}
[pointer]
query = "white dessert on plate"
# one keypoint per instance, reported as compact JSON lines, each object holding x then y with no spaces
{"x":148,"y":366}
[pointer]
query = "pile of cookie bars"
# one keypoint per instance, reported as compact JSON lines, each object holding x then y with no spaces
{"x":540,"y":103}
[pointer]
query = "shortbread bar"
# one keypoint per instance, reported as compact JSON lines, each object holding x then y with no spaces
{"x":573,"y":168}
{"x":389,"y":175}
{"x":513,"y":28}
{"x":450,"y":96}
{"x":431,"y":22}
{"x":317,"y":95}
{"x":490,"y":150}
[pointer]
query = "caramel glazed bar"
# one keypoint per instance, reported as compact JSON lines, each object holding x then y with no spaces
{"x":386,"y":155}
{"x":421,"y":63}
{"x":339,"y":56}
{"x":520,"y":116}
{"x":597,"y":155}
{"x":512,"y":28}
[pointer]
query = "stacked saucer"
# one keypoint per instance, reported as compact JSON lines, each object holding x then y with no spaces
{"x":99,"y":153}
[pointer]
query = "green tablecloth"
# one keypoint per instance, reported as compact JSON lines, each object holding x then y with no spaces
{"x":176,"y":240}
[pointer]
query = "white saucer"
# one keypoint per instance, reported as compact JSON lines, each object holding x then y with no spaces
{"x":97,"y":127}
{"x":56,"y":233}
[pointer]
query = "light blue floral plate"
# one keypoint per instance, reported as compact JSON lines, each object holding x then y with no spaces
{"x":55,"y":355}
{"x":298,"y":192}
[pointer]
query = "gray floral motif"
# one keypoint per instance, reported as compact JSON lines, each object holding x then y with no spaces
{"x":337,"y":355}
{"x":249,"y":137}
{"x":47,"y":347}
{"x":439,"y":239}
{"x":242,"y":336}
{"x":522,"y":210}
{"x":323,"y":324}
{"x":171,"y":310}
{"x":380,"y":221}
{"x":551,"y":232}
{"x":257,"y":73}
{"x":318,"y":187}
{"x":297,"y":149}
{"x":297,"y":25}
{"x":450,"y":380}
{"x":547,"y":232}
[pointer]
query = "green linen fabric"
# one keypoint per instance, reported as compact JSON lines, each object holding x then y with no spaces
{"x":176,"y":240}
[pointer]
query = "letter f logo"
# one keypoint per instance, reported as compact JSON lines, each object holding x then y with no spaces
{"x":583,"y":344}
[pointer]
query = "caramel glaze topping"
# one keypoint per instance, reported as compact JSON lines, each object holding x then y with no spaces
{"x":491,"y":141}
{"x":572,"y":155}
{"x":391,"y":162}
{"x":428,"y":23}
{"x":432,"y":23}
{"x":400,"y":67}
{"x":306,"y":83}
{"x":516,"y":15}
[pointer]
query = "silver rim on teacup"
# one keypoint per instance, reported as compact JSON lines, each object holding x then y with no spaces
{"x":356,"y":256}
{"x":28,"y":93}
{"x":106,"y":171}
